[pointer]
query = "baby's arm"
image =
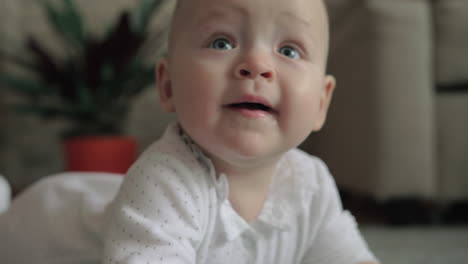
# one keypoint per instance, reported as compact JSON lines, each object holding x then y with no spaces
{"x":337,"y":240}
{"x":156,"y":216}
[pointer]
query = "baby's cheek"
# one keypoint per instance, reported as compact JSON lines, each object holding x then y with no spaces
{"x":304,"y":114}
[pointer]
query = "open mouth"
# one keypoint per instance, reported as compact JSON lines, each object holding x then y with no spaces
{"x":252,"y":106}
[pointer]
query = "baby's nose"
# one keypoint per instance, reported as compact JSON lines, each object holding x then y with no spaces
{"x":252,"y":68}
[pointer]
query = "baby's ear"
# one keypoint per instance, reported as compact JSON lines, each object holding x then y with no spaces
{"x":325,"y":99}
{"x":164,"y":85}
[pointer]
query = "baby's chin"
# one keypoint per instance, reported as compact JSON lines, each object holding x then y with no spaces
{"x":246,"y":156}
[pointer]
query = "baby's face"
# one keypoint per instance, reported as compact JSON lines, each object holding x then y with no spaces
{"x":246,"y":78}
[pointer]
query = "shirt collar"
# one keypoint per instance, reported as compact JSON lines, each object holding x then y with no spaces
{"x":280,"y":208}
{"x":194,"y":149}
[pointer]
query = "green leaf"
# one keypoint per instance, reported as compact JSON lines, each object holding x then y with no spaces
{"x":24,"y":86}
{"x":74,"y":20}
{"x":109,"y":86}
{"x":18,"y":61}
{"x":66,"y":22}
{"x":86,"y":98}
{"x":45,"y":112}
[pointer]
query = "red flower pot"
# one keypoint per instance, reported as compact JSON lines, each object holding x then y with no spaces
{"x":100,"y":153}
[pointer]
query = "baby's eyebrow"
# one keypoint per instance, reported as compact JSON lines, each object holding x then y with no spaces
{"x":290,"y":15}
{"x":308,"y":25}
{"x":202,"y":21}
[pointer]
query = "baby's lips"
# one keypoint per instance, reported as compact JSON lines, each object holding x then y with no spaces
{"x":251,"y":106}
{"x":253,"y":99}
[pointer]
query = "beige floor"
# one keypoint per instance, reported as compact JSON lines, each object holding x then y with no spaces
{"x":418,"y":245}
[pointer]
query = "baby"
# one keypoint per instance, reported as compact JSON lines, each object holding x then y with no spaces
{"x":226,"y":184}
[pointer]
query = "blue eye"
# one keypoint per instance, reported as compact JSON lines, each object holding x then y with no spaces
{"x":289,"y":51}
{"x":221,"y":44}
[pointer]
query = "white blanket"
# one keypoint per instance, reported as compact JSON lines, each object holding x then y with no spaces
{"x":5,"y":194}
{"x":59,"y":220}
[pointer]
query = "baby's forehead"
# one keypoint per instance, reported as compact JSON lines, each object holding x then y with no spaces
{"x":311,"y":15}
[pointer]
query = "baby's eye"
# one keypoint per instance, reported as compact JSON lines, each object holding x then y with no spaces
{"x":221,"y":44}
{"x":290,"y":52}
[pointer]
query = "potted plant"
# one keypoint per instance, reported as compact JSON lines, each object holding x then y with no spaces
{"x":92,"y":87}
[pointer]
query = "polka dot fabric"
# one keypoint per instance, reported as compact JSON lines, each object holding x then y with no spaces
{"x":172,"y":208}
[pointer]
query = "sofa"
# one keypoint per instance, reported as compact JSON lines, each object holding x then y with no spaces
{"x":398,"y":123}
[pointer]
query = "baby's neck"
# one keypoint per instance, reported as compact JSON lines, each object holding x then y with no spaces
{"x":248,"y":177}
{"x":248,"y":193}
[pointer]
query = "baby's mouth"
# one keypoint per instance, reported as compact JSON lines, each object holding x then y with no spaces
{"x":251,"y":106}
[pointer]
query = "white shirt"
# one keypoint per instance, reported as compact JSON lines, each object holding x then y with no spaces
{"x":173,"y":208}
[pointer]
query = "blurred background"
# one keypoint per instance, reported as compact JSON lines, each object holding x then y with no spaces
{"x":31,"y":147}
{"x":396,"y":138}
{"x":397,"y":130}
